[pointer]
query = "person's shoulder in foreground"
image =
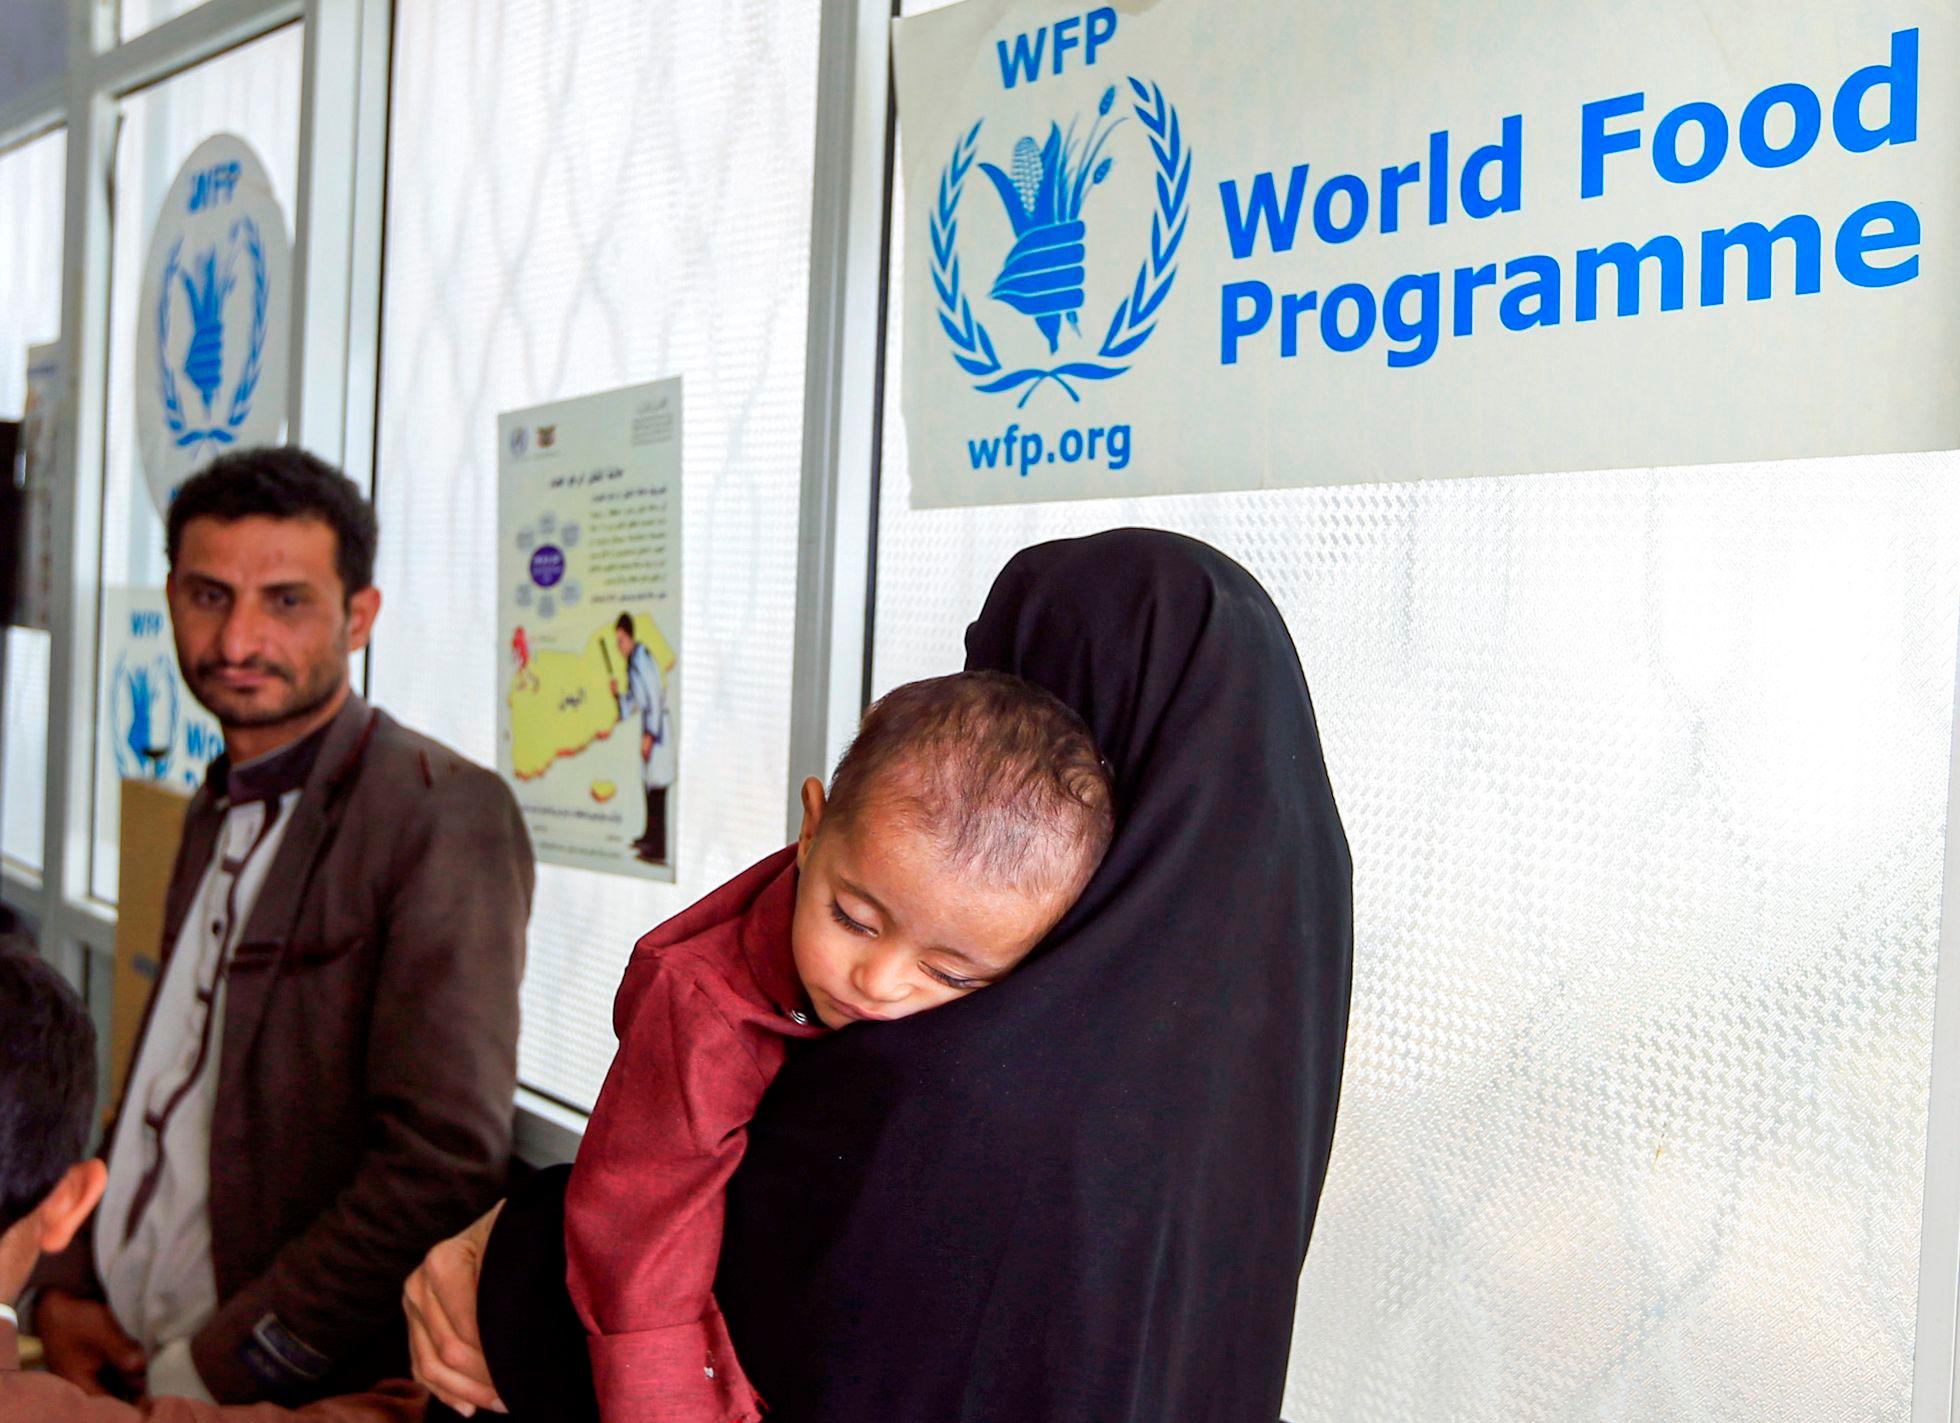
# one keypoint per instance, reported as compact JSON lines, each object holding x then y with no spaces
{"x":47,"y":1097}
{"x":962,"y":824}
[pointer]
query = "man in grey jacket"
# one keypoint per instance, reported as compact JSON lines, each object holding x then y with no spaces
{"x":322,"y":1086}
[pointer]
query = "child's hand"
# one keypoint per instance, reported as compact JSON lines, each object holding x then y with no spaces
{"x":440,"y":1300}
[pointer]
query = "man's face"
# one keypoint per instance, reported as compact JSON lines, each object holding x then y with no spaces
{"x":625,"y":641}
{"x":886,"y":928}
{"x":263,"y":626}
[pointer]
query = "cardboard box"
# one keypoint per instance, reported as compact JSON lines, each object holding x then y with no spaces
{"x":152,"y":824}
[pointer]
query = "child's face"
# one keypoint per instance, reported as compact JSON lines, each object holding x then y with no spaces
{"x":885,"y":928}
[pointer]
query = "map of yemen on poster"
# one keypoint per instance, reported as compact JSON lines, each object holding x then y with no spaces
{"x":1191,"y":246}
{"x":571,"y":704}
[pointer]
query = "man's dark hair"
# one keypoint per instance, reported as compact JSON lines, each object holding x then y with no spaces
{"x":1002,"y":774}
{"x":47,"y":1082}
{"x":625,"y":625}
{"x":282,"y":482}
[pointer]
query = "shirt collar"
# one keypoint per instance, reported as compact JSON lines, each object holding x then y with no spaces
{"x":765,"y":935}
{"x":270,"y":776}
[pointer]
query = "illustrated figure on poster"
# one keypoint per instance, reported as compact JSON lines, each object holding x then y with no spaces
{"x":646,"y":693}
{"x":520,"y":651}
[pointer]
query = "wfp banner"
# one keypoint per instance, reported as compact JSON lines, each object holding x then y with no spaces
{"x":1190,"y":246}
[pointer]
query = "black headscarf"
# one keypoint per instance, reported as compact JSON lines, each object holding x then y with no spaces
{"x":1082,"y":1195}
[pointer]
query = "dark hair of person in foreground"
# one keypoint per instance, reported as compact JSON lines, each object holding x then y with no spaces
{"x":47,"y":1082}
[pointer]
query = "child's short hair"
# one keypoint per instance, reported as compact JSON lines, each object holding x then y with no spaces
{"x":1002,"y":773}
{"x":47,"y":1082}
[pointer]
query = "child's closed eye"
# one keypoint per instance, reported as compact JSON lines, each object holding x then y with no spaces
{"x":953,"y":980}
{"x":851,"y":925}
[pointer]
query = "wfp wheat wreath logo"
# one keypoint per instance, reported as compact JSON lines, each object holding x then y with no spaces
{"x":215,"y":306}
{"x":1046,"y":193}
{"x":204,"y":285}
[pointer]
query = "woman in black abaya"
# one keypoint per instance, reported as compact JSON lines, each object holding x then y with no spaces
{"x":1084,"y":1195}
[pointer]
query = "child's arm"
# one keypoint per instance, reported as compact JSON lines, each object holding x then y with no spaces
{"x":643,"y":1212}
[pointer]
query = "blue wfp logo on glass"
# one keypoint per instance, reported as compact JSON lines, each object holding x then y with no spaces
{"x":220,"y":296}
{"x":154,"y":735}
{"x":146,"y":711}
{"x":1047,"y":190}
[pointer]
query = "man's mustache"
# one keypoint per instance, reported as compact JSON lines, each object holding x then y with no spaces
{"x":212,"y":665}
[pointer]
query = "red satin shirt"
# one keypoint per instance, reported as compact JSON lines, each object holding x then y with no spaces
{"x":703,"y":1017}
